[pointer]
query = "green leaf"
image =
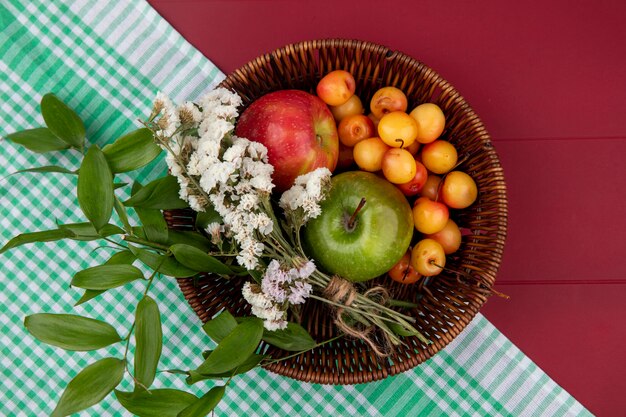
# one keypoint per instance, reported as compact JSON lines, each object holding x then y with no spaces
{"x":124,"y":257}
{"x":95,"y":188}
{"x":136,"y":187}
{"x":294,"y":338}
{"x":86,"y":231}
{"x":38,"y":140}
{"x":203,"y":406}
{"x":161,"y":194}
{"x":148,"y":339}
{"x":199,"y":260}
{"x":90,"y":386}
{"x":402,"y":331}
{"x":154,"y":225}
{"x":122,"y":214}
{"x":131,"y":151}
{"x":206,"y":217}
{"x":169,"y":266}
{"x":250,"y":363}
{"x":190,"y":238}
{"x":117,"y":185}
{"x":104,"y":277}
{"x":234,"y":349}
{"x":119,"y":258}
{"x":88,"y":295}
{"x":220,"y":326}
{"x":156,"y":403}
{"x":47,"y":169}
{"x":256,"y":275}
{"x":62,"y":121}
{"x":71,"y":332}
{"x":137,"y":231}
{"x":43,"y":236}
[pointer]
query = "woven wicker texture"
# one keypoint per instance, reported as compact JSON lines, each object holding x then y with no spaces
{"x":448,"y":301}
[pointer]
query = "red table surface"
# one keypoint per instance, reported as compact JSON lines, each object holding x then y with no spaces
{"x":548,"y":79}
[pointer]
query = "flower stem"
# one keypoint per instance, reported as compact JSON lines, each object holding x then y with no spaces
{"x":400,"y":303}
{"x":302,"y":351}
{"x":363,"y":312}
{"x":144,"y":242}
{"x":154,"y":273}
{"x":115,"y":243}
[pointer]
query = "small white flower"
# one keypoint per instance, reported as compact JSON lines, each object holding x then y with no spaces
{"x":280,"y":284}
{"x":262,"y":223}
{"x":306,"y":193}
{"x":299,"y":292}
{"x":214,"y":129}
{"x":220,"y":102}
{"x":306,"y":270}
{"x":236,"y":151}
{"x":162,"y":103}
{"x":214,"y":230}
{"x":274,"y":282}
{"x":257,"y":151}
{"x":169,"y":120}
{"x":262,"y":184}
{"x":248,"y":201}
{"x":255,"y":299}
{"x":190,"y":111}
{"x":275,"y":325}
{"x":196,"y":203}
{"x":250,"y":252}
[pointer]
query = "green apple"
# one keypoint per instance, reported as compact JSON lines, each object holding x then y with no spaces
{"x":360,"y":244}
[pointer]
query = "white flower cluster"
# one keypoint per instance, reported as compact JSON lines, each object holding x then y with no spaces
{"x":279,"y":287}
{"x":306,"y":193}
{"x":218,"y":167}
{"x":169,"y":121}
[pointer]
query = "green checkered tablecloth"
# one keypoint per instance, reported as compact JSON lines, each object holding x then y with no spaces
{"x":108,"y":59}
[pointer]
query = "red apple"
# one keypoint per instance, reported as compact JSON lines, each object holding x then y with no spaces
{"x":298,"y":130}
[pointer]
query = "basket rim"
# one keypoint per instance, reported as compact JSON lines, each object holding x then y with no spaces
{"x":483,"y":136}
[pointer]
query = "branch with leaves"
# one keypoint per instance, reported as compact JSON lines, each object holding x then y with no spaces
{"x":163,"y":251}
{"x":227,"y":181}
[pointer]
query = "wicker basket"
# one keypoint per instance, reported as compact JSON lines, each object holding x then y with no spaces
{"x":447,"y":302}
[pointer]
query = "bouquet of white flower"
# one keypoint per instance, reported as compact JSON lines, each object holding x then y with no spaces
{"x":217,"y":170}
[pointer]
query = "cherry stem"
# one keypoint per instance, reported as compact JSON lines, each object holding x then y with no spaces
{"x":401,"y":141}
{"x":439,"y":188}
{"x":494,"y":292}
{"x":463,"y":159}
{"x":406,"y":273}
{"x":352,"y":220}
{"x":432,"y":262}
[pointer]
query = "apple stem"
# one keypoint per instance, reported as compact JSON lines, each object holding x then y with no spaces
{"x":352,"y":220}
{"x":401,"y":142}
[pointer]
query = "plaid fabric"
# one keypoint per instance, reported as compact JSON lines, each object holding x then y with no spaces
{"x":107,"y":60}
